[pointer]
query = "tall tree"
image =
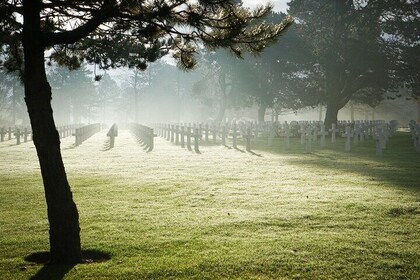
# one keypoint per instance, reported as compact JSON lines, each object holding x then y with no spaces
{"x":271,"y":70}
{"x":135,"y":84}
{"x":111,"y":33}
{"x":227,"y":82}
{"x":74,"y":94}
{"x":345,"y":38}
{"x":12,"y":97}
{"x":108,"y":93}
{"x":399,"y":21}
{"x":360,"y":50}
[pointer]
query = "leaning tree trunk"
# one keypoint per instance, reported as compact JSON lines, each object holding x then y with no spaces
{"x":261,"y":113}
{"x":223,"y":98}
{"x":14,"y":105}
{"x":221,"y":112}
{"x":63,"y":216}
{"x":418,"y":110}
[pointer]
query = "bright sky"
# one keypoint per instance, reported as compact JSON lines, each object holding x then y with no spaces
{"x":279,"y":5}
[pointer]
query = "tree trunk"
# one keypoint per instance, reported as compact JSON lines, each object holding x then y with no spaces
{"x":352,"y":112}
{"x":136,"y":99}
{"x":320,"y":112}
{"x":223,"y":98}
{"x":261,"y":113}
{"x":63,"y":216}
{"x":418,"y":110}
{"x":14,"y":105}
{"x":222,"y":109}
{"x":331,"y":114}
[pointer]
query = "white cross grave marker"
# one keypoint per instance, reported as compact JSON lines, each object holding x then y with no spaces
{"x":333,"y":131}
{"x":347,"y":134}
{"x":323,"y":133}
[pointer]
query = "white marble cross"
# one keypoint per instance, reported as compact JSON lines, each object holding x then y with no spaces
{"x":308,"y":142}
{"x":333,"y":131}
{"x":287,"y":135}
{"x":302,"y":131}
{"x":348,"y":136}
{"x":323,"y":133}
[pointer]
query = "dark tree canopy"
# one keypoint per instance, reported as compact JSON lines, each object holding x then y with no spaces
{"x":400,"y":23}
{"x":352,"y":56}
{"x":131,"y":33}
{"x":346,"y":45}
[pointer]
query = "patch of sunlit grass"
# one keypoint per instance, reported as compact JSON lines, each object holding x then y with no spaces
{"x":174,"y":214}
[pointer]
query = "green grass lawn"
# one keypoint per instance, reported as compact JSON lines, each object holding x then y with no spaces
{"x":224,"y":213}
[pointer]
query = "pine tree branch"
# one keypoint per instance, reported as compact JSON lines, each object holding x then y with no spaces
{"x":106,"y":12}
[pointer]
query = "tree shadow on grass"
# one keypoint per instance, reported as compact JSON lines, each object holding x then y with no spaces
{"x":239,"y":150}
{"x":400,"y":171}
{"x":8,"y":146}
{"x":57,"y":272}
{"x":255,"y":154}
{"x":399,"y":165}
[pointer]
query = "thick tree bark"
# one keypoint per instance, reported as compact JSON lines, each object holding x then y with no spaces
{"x":418,"y":110}
{"x":331,"y":113}
{"x":221,"y":112}
{"x":352,"y":112}
{"x":63,"y":216}
{"x":337,"y":101}
{"x":14,"y":105}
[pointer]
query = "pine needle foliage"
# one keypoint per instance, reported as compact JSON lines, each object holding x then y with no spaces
{"x":132,"y":33}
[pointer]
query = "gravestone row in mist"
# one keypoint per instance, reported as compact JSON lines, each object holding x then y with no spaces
{"x":310,"y":133}
{"x":18,"y":134}
{"x":191,"y":136}
{"x":85,"y":132}
{"x":144,"y":134}
{"x":183,"y":133}
{"x":24,"y":134}
{"x":67,"y":130}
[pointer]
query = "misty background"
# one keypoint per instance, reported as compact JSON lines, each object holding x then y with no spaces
{"x":221,"y":88}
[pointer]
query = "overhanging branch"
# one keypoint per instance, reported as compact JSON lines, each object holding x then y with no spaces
{"x":71,"y":37}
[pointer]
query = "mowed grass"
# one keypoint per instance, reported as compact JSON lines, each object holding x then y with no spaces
{"x":221,"y":214}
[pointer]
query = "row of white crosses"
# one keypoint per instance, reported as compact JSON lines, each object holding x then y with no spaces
{"x":67,"y":130}
{"x":83,"y":133}
{"x":7,"y":134}
{"x":415,"y":134}
{"x":176,"y":132}
{"x":309,"y":132}
{"x":17,"y":132}
{"x":144,"y":134}
{"x":353,"y":132}
{"x":4,"y":132}
{"x":381,"y":136}
{"x":248,"y":131}
{"x":359,"y":131}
